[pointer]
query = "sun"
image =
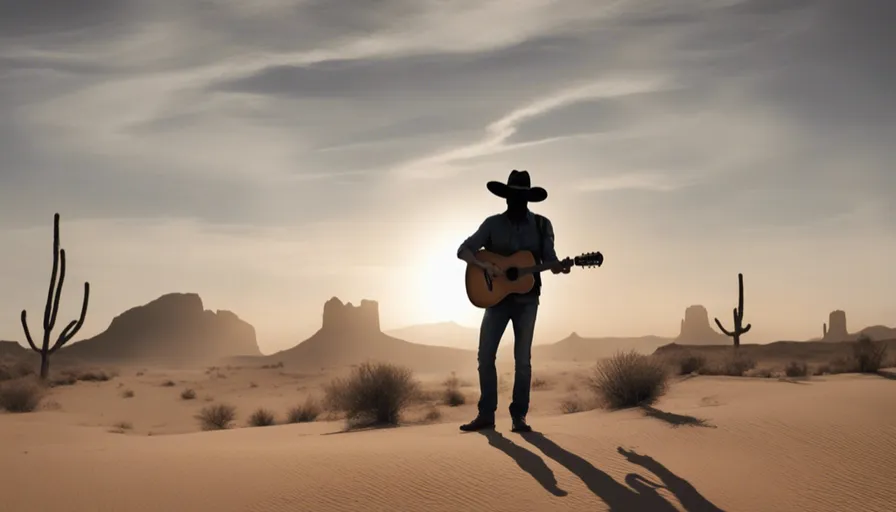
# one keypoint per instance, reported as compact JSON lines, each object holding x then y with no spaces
{"x":439,"y":294}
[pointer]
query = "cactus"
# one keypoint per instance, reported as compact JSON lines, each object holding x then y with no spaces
{"x":739,"y":328}
{"x":824,"y":330}
{"x":52,"y":309}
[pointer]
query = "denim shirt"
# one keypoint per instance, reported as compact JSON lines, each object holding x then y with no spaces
{"x":500,"y":235}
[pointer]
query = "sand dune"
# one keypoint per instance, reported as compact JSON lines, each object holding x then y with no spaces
{"x":712,"y":443}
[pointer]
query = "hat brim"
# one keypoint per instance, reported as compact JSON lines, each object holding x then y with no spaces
{"x":531,"y":194}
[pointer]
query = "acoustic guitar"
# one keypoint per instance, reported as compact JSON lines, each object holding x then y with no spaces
{"x":519,"y":271}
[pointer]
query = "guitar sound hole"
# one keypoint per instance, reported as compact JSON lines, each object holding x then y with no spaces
{"x":512,"y":273}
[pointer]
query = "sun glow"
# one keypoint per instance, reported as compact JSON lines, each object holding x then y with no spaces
{"x":439,"y":294}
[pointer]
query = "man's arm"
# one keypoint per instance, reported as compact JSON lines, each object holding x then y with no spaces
{"x":473,"y":243}
{"x":548,"y":253}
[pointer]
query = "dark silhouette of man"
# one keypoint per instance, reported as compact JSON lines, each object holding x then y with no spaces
{"x":514,"y":230}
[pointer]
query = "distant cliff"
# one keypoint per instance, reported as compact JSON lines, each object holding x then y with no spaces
{"x":696,"y":330}
{"x":351,"y":335}
{"x":174,"y":327}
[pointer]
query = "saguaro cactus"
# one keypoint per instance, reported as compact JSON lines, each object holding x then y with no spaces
{"x":739,"y":328}
{"x":52,"y":309}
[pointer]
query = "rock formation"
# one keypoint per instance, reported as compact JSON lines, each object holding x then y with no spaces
{"x":836,"y":327}
{"x":339,"y":317}
{"x":695,"y":329}
{"x":173,"y":327}
{"x":351,"y":335}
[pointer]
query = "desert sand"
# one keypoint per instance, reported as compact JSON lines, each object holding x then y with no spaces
{"x":821,"y":444}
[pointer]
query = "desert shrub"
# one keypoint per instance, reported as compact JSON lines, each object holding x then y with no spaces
{"x":571,"y":405}
{"x":822,"y":369}
{"x":261,"y":418}
{"x":736,"y":365}
{"x":374,"y":394}
{"x":21,"y":395}
{"x":64,"y":379}
{"x":760,"y":373}
{"x":11,"y":369}
{"x":432,"y":415}
{"x":796,"y":369}
{"x":691,"y":363}
{"x":128,"y":393}
{"x":629,"y":379}
{"x":187,"y":394}
{"x":539,"y":383}
{"x":93,"y":376}
{"x":168,"y":384}
{"x":868,"y":355}
{"x":307,"y":412}
{"x":452,"y":396}
{"x":216,"y":417}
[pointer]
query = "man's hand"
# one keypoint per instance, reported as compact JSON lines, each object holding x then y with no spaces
{"x":559,"y":267}
{"x":492,"y":269}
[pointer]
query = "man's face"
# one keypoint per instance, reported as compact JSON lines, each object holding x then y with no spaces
{"x":516,"y":203}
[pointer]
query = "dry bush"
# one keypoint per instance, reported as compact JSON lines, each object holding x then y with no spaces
{"x":432,"y":415}
{"x":72,"y":375}
{"x":168,"y":384}
{"x":868,"y":355}
{"x":121,"y":427}
{"x":760,"y":373}
{"x":691,"y":363}
{"x":272,"y":366}
{"x":539,"y":383}
{"x":187,"y":394}
{"x":735,"y":365}
{"x":796,"y":369}
{"x":128,"y":393}
{"x":11,"y":369}
{"x":307,"y":412}
{"x":216,"y":417}
{"x":572,"y":405}
{"x":253,"y":385}
{"x":822,"y":369}
{"x":452,"y":395}
{"x":21,"y":395}
{"x":629,"y":379}
{"x":262,"y":418}
{"x":374,"y":394}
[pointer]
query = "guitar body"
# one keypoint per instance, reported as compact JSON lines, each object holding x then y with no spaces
{"x":484,"y":291}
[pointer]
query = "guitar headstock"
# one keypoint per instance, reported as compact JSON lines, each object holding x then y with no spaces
{"x":589,"y":259}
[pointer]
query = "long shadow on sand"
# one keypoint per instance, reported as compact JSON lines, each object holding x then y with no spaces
{"x":640,"y":494}
{"x":526,"y":460}
{"x":676,"y":420}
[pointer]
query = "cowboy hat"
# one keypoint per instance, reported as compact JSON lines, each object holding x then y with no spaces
{"x":518,"y":185}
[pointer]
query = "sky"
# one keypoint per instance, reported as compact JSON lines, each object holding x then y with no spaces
{"x":271,"y":154}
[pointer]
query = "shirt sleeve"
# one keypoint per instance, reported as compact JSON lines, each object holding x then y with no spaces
{"x":549,"y":255}
{"x":477,"y":240}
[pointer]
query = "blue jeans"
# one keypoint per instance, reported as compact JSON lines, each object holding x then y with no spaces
{"x":494,"y":322}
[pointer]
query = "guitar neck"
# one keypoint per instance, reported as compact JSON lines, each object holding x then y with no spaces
{"x":536,"y":269}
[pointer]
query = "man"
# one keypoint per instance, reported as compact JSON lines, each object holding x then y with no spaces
{"x":514,"y":230}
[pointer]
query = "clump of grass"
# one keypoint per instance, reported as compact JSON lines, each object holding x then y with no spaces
{"x":691,"y":363}
{"x":305,"y":413}
{"x":868,"y":355}
{"x":93,"y":376}
{"x":571,"y":405}
{"x":128,"y":393}
{"x":432,"y":415}
{"x":187,"y":394}
{"x":121,"y":427}
{"x":629,"y":379}
{"x":216,"y":417}
{"x":452,"y":395}
{"x":732,"y":366}
{"x":374,"y":394}
{"x":262,"y":418}
{"x":796,"y":369}
{"x":22,"y":395}
{"x":539,"y":384}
